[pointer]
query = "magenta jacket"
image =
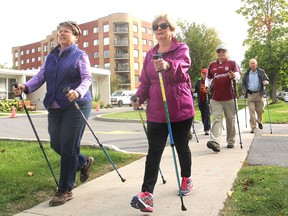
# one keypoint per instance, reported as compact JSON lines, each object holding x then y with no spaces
{"x":176,"y":83}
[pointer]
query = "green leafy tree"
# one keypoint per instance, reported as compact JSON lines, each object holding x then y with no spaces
{"x":115,"y":84}
{"x":267,"y":39}
{"x":202,"y":42}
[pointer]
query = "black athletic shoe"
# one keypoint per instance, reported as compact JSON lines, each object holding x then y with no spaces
{"x":260,"y":126}
{"x":214,"y":146}
{"x":230,"y":146}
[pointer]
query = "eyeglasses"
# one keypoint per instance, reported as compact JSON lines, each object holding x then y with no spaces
{"x":163,"y":26}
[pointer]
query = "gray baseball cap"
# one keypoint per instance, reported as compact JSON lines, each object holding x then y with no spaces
{"x":221,"y":46}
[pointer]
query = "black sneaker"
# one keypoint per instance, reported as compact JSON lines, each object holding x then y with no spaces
{"x":230,"y":145}
{"x":260,"y":126}
{"x":84,"y":175}
{"x":214,"y":146}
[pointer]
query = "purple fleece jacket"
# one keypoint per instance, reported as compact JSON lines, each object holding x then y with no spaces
{"x":176,"y":83}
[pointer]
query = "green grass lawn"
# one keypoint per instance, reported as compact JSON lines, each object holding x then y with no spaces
{"x":19,"y":191}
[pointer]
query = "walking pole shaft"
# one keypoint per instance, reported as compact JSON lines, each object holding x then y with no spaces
{"x":66,"y":90}
{"x":183,"y":208}
{"x":37,"y":137}
{"x":236,"y":110}
{"x":133,"y":98}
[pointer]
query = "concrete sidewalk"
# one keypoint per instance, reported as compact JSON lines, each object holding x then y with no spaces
{"x":213,"y":175}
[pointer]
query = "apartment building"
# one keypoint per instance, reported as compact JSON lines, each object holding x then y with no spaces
{"x":118,"y":42}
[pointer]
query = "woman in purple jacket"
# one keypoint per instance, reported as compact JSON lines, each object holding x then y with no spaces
{"x":65,"y":66}
{"x":174,"y":65}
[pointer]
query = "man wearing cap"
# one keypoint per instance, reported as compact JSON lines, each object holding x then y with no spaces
{"x":203,"y":100}
{"x":253,"y":83}
{"x":222,"y":74}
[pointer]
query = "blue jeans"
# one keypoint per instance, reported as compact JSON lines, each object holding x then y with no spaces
{"x":66,"y":128}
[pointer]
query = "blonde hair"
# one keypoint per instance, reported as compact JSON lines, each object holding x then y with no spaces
{"x":166,"y":17}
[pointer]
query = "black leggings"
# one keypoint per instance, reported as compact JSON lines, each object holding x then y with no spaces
{"x":157,"y":137}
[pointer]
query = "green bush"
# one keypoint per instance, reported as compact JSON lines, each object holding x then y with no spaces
{"x":6,"y":105}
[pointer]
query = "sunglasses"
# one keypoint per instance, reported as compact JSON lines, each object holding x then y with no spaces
{"x":163,"y":26}
{"x":221,"y":50}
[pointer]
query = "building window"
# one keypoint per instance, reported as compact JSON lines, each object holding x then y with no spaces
{"x":16,"y":63}
{"x":150,"y":31}
{"x":39,"y":58}
{"x":33,"y":50}
{"x":85,"y":44}
{"x":22,"y":62}
{"x":151,"y":44}
{"x":96,"y":42}
{"x":85,"y":32}
{"x":144,"y":30}
{"x":39,"y":49}
{"x":106,"y":54}
{"x":144,"y":42}
{"x":136,"y":65}
{"x":96,"y":55}
{"x":144,"y":53}
{"x":21,"y":53}
{"x":96,"y":65}
{"x":33,"y":59}
{"x":106,"y":41}
{"x":106,"y":28}
{"x":27,"y":52}
{"x":52,"y":44}
{"x":135,"y":28}
{"x":107,"y":66}
{"x":95,"y":30}
{"x":136,"y":78}
{"x":27,"y":61}
{"x":45,"y":48}
{"x":136,"y":53}
{"x":16,"y":54}
{"x":135,"y":41}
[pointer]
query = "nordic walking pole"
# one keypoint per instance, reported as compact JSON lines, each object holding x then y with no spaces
{"x":133,"y":98}
{"x":66,"y":90}
{"x":194,"y":131}
{"x":236,"y":110}
{"x":268,"y":112}
{"x":36,"y":134}
{"x":245,"y":111}
{"x":183,"y":208}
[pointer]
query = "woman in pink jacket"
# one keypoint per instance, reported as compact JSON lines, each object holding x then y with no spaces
{"x":174,"y":65}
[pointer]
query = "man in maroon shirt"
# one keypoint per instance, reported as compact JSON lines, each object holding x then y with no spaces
{"x":221,"y":74}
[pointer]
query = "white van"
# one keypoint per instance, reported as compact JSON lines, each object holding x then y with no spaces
{"x":122,"y":97}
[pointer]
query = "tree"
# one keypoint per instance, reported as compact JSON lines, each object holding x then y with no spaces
{"x":202,"y":42}
{"x":267,"y":38}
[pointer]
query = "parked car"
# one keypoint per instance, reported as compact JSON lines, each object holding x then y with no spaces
{"x":285,"y":96}
{"x":122,"y":97}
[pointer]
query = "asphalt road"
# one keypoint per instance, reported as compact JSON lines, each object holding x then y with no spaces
{"x":127,"y":136}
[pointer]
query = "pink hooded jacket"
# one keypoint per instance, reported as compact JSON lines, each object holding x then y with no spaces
{"x":176,"y":83}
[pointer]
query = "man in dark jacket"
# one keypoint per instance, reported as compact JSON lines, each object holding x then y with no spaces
{"x":203,"y":100}
{"x":253,"y":84}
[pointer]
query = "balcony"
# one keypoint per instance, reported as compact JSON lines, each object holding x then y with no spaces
{"x":121,"y":56}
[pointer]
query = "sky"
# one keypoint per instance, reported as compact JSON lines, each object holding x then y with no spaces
{"x":27,"y":21}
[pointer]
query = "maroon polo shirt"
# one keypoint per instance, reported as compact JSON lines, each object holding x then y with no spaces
{"x":221,"y":84}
